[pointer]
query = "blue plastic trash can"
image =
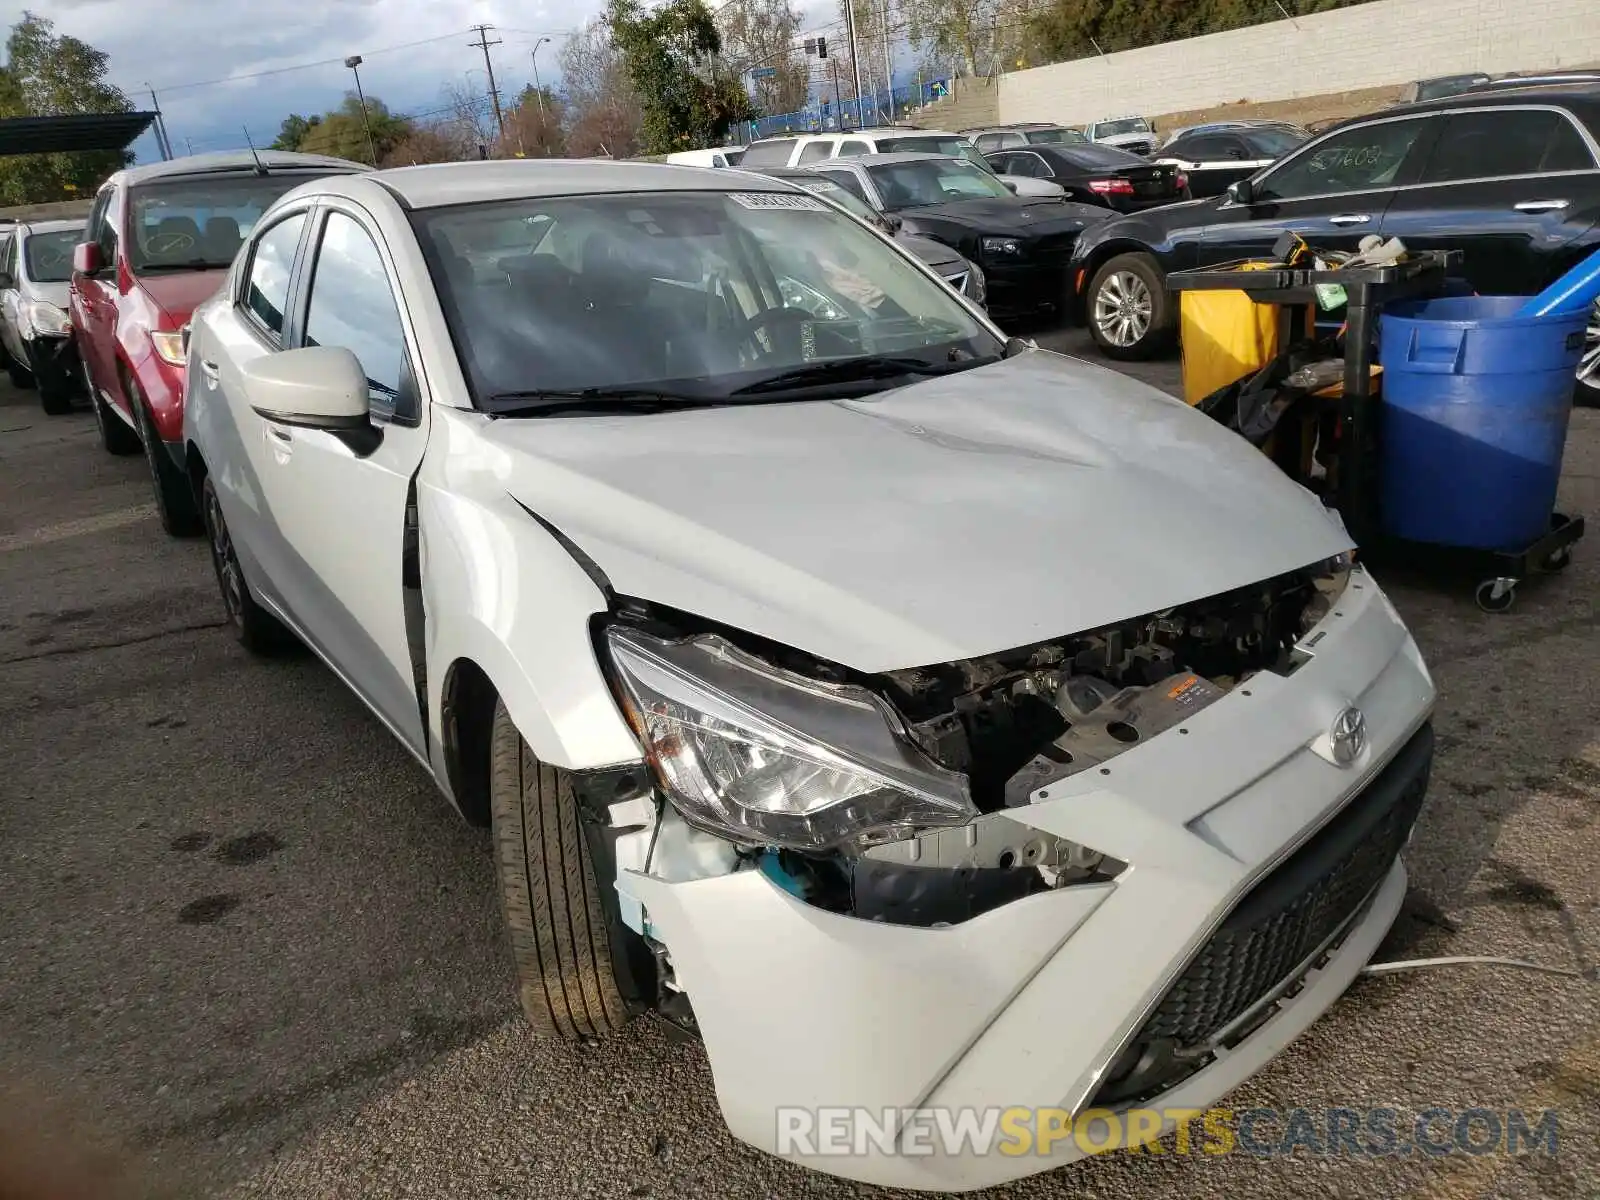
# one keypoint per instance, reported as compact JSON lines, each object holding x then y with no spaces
{"x":1476,"y":401}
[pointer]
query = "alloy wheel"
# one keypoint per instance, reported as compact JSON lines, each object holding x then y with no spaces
{"x":1123,"y":309}
{"x":1589,"y":364}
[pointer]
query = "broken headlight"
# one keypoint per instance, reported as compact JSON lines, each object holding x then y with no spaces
{"x":767,"y":757}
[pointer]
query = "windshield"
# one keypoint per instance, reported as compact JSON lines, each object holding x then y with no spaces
{"x":700,"y":294}
{"x":198,"y":223}
{"x":1127,"y":125}
{"x":1054,"y":137}
{"x":1274,"y":143}
{"x":933,"y":181}
{"x":49,"y":254}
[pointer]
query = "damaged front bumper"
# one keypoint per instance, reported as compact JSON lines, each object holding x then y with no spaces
{"x":1247,"y":844}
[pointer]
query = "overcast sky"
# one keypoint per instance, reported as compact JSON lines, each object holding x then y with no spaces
{"x":173,"y":43}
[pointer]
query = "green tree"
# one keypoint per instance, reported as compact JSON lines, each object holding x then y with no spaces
{"x":688,"y":97}
{"x":47,"y":75}
{"x":293,"y":131}
{"x":1069,"y":29}
{"x":343,"y":132}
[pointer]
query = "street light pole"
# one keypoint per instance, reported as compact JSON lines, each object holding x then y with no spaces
{"x":538,"y":92}
{"x":353,"y":62}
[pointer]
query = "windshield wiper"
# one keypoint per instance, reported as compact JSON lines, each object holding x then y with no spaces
{"x":547,"y":402}
{"x":850,"y":370}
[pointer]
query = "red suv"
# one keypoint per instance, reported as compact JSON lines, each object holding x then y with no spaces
{"x":158,"y":242}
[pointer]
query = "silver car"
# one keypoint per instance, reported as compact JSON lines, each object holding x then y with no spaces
{"x":35,"y":268}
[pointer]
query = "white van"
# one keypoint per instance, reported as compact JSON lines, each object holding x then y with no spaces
{"x":804,"y":149}
{"x":717,"y":156}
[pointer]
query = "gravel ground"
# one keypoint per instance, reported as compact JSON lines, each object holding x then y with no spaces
{"x":248,"y":949}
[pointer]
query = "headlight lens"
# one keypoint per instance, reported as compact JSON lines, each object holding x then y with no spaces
{"x":765,"y":757}
{"x":169,"y":345}
{"x":46,"y":318}
{"x":1000,"y":247}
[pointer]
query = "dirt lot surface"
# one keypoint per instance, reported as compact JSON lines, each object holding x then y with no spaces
{"x":246,"y":943}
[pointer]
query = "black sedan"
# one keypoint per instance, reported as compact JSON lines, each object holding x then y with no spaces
{"x":1092,"y":174}
{"x":1217,"y":156}
{"x":1021,"y":242}
{"x":1510,"y":179}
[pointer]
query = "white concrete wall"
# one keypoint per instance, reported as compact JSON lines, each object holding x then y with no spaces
{"x":1370,"y":45}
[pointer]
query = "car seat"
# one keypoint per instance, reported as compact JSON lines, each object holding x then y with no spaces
{"x":167,"y":243}
{"x":222,"y":240}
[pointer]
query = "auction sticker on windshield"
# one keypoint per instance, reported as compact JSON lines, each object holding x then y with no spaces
{"x":776,"y":200}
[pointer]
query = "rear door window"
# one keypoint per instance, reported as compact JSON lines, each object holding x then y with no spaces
{"x":816,"y":151}
{"x":853,"y":146}
{"x":1494,"y":144}
{"x":774,"y":152}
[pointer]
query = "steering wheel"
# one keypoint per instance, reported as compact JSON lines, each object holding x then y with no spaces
{"x":163,"y":244}
{"x":771,"y":317}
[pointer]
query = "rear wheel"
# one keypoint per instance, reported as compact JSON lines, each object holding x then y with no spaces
{"x":1129,"y":311}
{"x":1588,"y":394}
{"x":553,"y":906}
{"x":174,"y":494}
{"x":257,"y":630}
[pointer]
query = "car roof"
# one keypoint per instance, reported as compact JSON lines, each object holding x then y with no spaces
{"x":894,"y":156}
{"x":437,"y":185}
{"x":56,"y":226}
{"x":1580,"y":96}
{"x":235,"y":162}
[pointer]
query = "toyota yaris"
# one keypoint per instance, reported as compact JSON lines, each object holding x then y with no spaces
{"x":922,"y":719}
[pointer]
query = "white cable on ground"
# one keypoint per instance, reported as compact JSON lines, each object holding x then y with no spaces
{"x":1413,"y":964}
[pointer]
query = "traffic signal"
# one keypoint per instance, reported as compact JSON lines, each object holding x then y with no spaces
{"x":822,"y":47}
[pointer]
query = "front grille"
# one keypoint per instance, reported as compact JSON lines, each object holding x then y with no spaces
{"x":1276,"y":928}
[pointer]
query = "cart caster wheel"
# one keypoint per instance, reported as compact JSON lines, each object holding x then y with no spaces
{"x":1559,"y":561}
{"x":1497,"y":595}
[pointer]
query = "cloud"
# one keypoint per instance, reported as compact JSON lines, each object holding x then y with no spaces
{"x":260,"y":50}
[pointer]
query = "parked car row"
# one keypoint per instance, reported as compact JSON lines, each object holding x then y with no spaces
{"x":1510,"y":176}
{"x":36,"y":341}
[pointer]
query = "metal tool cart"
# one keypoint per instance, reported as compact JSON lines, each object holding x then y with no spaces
{"x":1357,"y":490}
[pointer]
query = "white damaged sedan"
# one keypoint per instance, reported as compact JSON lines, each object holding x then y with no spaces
{"x":927,"y":722}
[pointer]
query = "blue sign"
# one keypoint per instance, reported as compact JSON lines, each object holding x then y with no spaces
{"x":763,"y":72}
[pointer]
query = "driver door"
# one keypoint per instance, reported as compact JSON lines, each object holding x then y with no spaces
{"x":342,"y":501}
{"x":1332,"y":193}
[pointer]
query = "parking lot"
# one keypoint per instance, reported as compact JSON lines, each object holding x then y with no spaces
{"x":245,"y":940}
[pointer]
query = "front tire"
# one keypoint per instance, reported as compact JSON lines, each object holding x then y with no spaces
{"x":54,"y":397}
{"x":1130,"y":315}
{"x":554,"y":912}
{"x":257,"y":630}
{"x":173,"y":491}
{"x":115,"y":436}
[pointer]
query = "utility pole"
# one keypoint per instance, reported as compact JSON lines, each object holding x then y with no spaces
{"x":353,"y":62}
{"x":538,"y":92}
{"x":888,"y":59}
{"x":855,"y":57}
{"x":838,"y":104}
{"x":483,"y":43}
{"x":163,"y":142}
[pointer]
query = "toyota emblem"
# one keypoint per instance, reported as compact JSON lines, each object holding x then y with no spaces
{"x":1348,"y":736}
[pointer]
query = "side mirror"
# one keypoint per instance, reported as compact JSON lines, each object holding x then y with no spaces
{"x":1243,"y":192}
{"x":315,"y":387}
{"x":892,"y":223}
{"x":6,"y":282}
{"x":86,"y":258}
{"x":1011,"y":184}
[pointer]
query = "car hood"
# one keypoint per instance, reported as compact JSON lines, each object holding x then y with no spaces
{"x":935,"y":254}
{"x":178,"y":294}
{"x":1009,"y":214}
{"x":959,"y":516}
{"x":59,"y":294}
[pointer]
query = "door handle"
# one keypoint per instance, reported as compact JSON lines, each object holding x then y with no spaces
{"x":1349,"y":219}
{"x":1542,"y":205}
{"x":280,"y":435}
{"x":208,"y":369}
